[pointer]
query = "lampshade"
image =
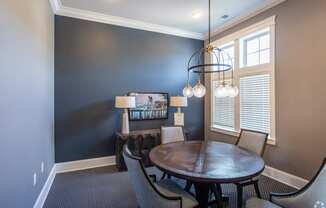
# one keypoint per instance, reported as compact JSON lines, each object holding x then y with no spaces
{"x":125,"y":102}
{"x":178,"y":101}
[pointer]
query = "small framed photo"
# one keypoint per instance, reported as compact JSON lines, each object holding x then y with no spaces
{"x":149,"y":106}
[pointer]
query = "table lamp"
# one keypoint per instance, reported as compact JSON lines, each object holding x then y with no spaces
{"x":178,"y":101}
{"x":125,"y":102}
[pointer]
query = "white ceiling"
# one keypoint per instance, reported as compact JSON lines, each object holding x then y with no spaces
{"x":175,"y":14}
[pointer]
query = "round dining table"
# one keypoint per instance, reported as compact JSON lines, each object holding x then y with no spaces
{"x":206,"y":163}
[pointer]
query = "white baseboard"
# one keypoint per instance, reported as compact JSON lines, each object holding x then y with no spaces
{"x":286,"y":178}
{"x":68,"y":167}
{"x":45,"y":190}
{"x":84,"y":164}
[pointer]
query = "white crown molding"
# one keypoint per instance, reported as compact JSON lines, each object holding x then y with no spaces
{"x":62,"y":10}
{"x":284,"y":177}
{"x":45,"y":190}
{"x":235,"y":21}
{"x":84,"y":164}
{"x":56,"y":5}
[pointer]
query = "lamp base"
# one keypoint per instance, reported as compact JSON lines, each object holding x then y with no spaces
{"x":125,"y":122}
{"x":178,"y":119}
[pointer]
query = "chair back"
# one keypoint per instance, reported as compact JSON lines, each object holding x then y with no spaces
{"x":253,"y":141}
{"x":171,"y":134}
{"x":312,"y":195}
{"x":147,"y":194}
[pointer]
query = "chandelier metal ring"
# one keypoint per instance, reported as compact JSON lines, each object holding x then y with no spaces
{"x":193,"y":69}
{"x":216,"y":67}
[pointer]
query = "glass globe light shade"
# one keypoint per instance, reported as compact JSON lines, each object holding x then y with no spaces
{"x":218,"y":91}
{"x":221,"y":91}
{"x":228,"y":91}
{"x":188,"y":91}
{"x":199,"y":90}
{"x":234,"y":91}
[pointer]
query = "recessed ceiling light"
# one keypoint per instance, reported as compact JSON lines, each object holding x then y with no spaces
{"x":196,"y":15}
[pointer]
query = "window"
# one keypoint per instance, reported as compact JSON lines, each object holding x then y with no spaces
{"x":229,"y":48}
{"x":255,"y":48}
{"x":252,"y":55}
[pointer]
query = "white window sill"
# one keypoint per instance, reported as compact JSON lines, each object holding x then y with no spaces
{"x":227,"y":131}
{"x":232,"y":132}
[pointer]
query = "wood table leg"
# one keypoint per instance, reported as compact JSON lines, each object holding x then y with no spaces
{"x":188,"y":186}
{"x":220,"y":199}
{"x":202,"y":194}
{"x":217,"y":190}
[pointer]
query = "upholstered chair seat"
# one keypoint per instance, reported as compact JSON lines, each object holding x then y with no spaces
{"x":260,"y":203}
{"x":312,"y":195}
{"x":170,"y":188}
{"x":164,"y":194}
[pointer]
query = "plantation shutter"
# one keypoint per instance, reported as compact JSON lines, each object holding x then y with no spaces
{"x":255,"y":102}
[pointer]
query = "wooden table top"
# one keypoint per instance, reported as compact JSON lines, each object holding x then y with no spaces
{"x":207,"y":161}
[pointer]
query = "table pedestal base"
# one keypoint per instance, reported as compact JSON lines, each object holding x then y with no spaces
{"x":203,"y":192}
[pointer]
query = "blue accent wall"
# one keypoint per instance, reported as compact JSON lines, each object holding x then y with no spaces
{"x":95,"y":62}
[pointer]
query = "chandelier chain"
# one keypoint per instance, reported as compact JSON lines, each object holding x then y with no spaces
{"x":209,"y":21}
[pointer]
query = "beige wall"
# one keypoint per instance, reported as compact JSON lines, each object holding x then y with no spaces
{"x":300,"y":87}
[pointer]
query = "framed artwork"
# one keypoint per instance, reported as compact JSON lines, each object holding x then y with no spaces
{"x":149,"y":106}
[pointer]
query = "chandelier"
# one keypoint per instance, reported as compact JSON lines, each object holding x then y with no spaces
{"x":220,"y":63}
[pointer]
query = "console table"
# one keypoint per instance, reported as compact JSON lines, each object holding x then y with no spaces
{"x":140,"y":143}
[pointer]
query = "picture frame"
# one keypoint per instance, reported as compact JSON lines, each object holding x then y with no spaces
{"x":149,"y":106}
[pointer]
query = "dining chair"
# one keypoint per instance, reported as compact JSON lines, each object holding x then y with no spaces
{"x":312,"y":195}
{"x":171,"y":134}
{"x":162,"y":194}
{"x":253,"y":141}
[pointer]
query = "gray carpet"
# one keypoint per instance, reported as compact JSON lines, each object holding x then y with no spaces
{"x":105,"y":187}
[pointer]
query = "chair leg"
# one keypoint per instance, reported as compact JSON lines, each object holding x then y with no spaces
{"x":153,"y":177}
{"x":163,"y":176}
{"x":257,"y":189}
{"x":239,"y":195}
{"x":188,"y":186}
{"x":219,"y":189}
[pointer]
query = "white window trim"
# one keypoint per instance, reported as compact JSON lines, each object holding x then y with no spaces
{"x":245,"y":71}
